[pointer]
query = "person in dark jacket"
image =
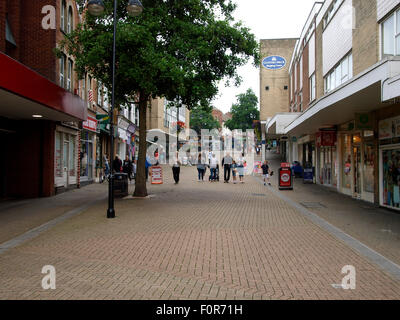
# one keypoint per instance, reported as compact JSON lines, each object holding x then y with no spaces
{"x":117,"y":164}
{"x":127,"y":167}
{"x":266,"y":173}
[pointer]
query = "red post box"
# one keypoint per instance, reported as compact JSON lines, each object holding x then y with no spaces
{"x":285,"y":177}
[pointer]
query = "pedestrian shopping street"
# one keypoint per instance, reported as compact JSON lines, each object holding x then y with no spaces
{"x":199,"y":241}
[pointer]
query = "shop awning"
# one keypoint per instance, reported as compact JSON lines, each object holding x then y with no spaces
{"x":24,"y":93}
{"x":362,"y":94}
{"x":277,"y":125}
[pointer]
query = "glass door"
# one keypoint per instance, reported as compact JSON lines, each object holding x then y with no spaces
{"x":65,"y":162}
{"x":357,"y":171}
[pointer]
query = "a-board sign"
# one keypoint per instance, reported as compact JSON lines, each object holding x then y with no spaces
{"x":156,"y":175}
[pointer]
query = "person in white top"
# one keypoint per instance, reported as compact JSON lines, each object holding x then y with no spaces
{"x":213,"y":168}
{"x":240,"y":167}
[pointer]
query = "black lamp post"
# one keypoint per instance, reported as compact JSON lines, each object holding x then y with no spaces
{"x":96,"y":8}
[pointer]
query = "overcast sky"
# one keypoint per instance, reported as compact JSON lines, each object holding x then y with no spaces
{"x":268,"y":19}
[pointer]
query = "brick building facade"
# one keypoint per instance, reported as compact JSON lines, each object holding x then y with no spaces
{"x":35,"y":109}
{"x":344,"y":106}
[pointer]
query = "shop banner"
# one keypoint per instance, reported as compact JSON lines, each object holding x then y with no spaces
{"x":389,"y":128}
{"x":156,"y":175}
{"x":326,"y":139}
{"x":364,"y":121}
{"x":90,"y":124}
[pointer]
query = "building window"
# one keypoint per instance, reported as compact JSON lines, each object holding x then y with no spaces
{"x":62,"y":71}
{"x":69,"y":75}
{"x":99,"y":94}
{"x":331,"y":11}
{"x":391,"y":35}
{"x":300,"y":102}
{"x":84,"y":88}
{"x":105,"y":98}
{"x":340,"y":74}
{"x":62,"y":15}
{"x":312,"y":88}
{"x":70,"y":25}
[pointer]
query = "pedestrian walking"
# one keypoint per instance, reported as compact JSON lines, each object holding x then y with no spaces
{"x":147,"y":167}
{"x":213,"y":168}
{"x":234,"y":172}
{"x":127,"y":167}
{"x":227,"y":164}
{"x":117,"y":164}
{"x":266,"y":173}
{"x":201,"y":168}
{"x":176,"y":168}
{"x":240,"y":168}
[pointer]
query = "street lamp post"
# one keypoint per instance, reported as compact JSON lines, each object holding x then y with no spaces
{"x":96,"y":8}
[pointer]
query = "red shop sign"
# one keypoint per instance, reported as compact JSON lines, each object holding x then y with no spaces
{"x":326,"y":139}
{"x":90,"y":124}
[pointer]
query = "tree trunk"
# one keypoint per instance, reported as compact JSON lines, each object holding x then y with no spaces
{"x":141,"y":188}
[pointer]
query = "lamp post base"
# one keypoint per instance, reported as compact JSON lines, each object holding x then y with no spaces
{"x":110,"y":214}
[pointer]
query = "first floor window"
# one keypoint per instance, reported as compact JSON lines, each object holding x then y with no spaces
{"x":99,"y":94}
{"x":391,"y":34}
{"x":62,"y":71}
{"x":312,"y":88}
{"x":69,"y":75}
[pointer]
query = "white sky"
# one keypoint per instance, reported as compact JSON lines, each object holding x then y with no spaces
{"x":267,"y":19}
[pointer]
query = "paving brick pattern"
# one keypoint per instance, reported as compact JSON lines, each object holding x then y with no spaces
{"x":192,"y":241}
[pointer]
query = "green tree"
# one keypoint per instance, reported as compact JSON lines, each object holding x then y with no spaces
{"x":244,"y":112}
{"x":176,"y":49}
{"x":202,"y":118}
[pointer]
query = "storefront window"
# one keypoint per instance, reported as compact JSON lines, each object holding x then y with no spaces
{"x":58,"y":155}
{"x":346,"y":165}
{"x":86,"y":155}
{"x":72,"y":156}
{"x":369,"y":160}
{"x":391,"y":178}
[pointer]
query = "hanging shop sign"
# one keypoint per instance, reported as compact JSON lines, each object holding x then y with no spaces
{"x":90,"y":124}
{"x":103,"y":118}
{"x":326,"y":139}
{"x":274,"y":62}
{"x":364,"y":121}
{"x":132,"y":128}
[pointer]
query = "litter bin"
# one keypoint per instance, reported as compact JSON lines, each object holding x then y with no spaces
{"x":308,"y":175}
{"x":120,"y":185}
{"x":285,"y":177}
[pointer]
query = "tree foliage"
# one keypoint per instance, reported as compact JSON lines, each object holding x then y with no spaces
{"x":201,"y":118}
{"x":176,"y":49}
{"x":244,"y":112}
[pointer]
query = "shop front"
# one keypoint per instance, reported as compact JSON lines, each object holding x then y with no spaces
{"x":389,"y":151}
{"x":66,"y":160}
{"x":327,"y":158}
{"x":88,"y":151}
{"x":357,"y":162}
{"x":306,"y":151}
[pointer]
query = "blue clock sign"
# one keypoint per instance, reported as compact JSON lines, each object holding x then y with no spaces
{"x":274,"y":62}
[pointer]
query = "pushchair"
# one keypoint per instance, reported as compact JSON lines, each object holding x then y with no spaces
{"x":216,"y":174}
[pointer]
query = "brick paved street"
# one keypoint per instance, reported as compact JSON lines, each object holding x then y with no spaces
{"x":192,"y":241}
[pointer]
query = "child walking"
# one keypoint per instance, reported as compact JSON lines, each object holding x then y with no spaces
{"x":234,"y":172}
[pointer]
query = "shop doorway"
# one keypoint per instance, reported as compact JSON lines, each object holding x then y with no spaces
{"x":357,"y":171}
{"x":65,"y":163}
